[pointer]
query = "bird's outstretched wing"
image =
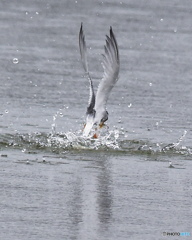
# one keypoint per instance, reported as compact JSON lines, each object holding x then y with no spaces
{"x":111,"y":71}
{"x":83,"y":52}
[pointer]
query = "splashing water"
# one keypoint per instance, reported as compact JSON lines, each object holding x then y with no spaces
{"x":109,"y":140}
{"x":77,"y":141}
{"x":54,"y":125}
{"x":175,"y":145}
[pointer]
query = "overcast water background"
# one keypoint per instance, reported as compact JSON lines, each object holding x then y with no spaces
{"x":55,"y":184}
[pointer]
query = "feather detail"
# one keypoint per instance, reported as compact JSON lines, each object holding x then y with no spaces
{"x":83,"y":53}
{"x":110,"y":76}
{"x":96,"y":110}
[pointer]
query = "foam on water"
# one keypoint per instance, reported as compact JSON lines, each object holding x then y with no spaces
{"x":113,"y":140}
{"x":77,"y":141}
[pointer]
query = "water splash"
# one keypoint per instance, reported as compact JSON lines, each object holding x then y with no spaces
{"x":176,"y":144}
{"x":71,"y":140}
{"x":54,"y":125}
{"x":113,"y":140}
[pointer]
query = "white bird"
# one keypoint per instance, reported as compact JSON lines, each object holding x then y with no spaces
{"x":96,"y":110}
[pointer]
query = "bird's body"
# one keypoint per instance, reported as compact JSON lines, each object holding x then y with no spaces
{"x":96,"y":110}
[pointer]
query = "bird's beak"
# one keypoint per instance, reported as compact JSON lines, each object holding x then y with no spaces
{"x":102,"y":124}
{"x":87,"y":129}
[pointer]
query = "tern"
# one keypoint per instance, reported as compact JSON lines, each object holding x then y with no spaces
{"x":96,"y":111}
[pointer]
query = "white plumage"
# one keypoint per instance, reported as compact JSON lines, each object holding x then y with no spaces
{"x":96,"y":110}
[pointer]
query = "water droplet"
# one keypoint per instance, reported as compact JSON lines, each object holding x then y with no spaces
{"x":37,"y":13}
{"x":150,"y":84}
{"x":116,"y":134}
{"x":175,"y":30}
{"x":161,"y":19}
{"x":6,"y":111}
{"x":23,"y":150}
{"x":129,"y":105}
{"x":15,"y":60}
{"x":26,"y":13}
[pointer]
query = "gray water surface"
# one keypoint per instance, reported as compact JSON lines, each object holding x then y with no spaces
{"x":54,"y":183}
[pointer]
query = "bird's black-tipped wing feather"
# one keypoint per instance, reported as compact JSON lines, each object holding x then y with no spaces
{"x":83,"y":52}
{"x":110,"y":76}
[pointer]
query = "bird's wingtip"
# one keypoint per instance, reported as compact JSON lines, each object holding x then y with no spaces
{"x":111,"y":30}
{"x":81,"y":28}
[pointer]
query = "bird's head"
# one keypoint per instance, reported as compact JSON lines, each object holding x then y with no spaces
{"x":104,"y":118}
{"x":94,"y":118}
